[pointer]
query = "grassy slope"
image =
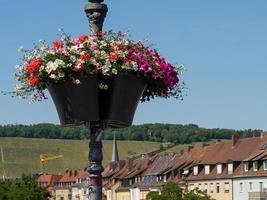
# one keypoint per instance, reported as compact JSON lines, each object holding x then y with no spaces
{"x":21,"y":155}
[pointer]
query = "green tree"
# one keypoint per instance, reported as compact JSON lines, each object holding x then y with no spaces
{"x":4,"y":188}
{"x":172,"y":191}
{"x":26,"y":189}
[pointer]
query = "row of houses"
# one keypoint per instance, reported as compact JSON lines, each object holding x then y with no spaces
{"x":231,"y":170}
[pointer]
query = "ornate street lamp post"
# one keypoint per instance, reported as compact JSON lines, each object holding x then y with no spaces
{"x":96,"y":12}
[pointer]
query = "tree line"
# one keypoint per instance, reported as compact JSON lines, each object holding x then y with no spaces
{"x":174,"y":133}
{"x":24,"y":188}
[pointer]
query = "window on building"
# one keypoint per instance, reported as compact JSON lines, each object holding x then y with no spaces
{"x":265,"y":165}
{"x":199,"y":186}
{"x":241,"y":187}
{"x":61,"y":198}
{"x":250,"y":186}
{"x":195,"y":170}
{"x":186,"y":172}
{"x":261,"y":186}
{"x":206,"y":188}
{"x":219,"y":168}
{"x":207,"y":169}
{"x":165,"y":178}
{"x":211,"y":188}
{"x":226,"y":187}
{"x":218,"y":187}
{"x":246,"y":166}
{"x":255,"y":166}
{"x":230,"y":168}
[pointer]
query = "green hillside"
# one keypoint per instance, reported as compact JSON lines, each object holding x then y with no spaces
{"x":21,"y":155}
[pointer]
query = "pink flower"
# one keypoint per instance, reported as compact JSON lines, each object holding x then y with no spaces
{"x":78,"y":66}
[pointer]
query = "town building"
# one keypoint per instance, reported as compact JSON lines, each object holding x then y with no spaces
{"x":229,"y":170}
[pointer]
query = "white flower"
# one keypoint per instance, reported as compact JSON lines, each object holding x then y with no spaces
{"x":52,"y":66}
{"x":93,"y":61}
{"x":61,"y":75}
{"x":74,"y":48}
{"x":135,"y":66}
{"x":81,"y":46}
{"x":103,"y":86}
{"x":41,"y":68}
{"x":77,"y":81}
{"x":59,"y":62}
{"x":114,"y":71}
{"x":53,"y":76}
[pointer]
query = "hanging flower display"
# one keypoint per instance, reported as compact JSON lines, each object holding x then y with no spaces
{"x":105,"y":54}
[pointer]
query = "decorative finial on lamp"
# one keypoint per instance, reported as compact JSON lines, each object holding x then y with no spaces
{"x":96,"y":12}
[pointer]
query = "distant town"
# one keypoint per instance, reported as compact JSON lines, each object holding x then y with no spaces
{"x":226,"y":170}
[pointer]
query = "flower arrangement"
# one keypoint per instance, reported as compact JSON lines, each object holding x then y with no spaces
{"x":105,"y":54}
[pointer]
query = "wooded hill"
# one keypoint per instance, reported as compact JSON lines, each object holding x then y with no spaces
{"x":177,"y":134}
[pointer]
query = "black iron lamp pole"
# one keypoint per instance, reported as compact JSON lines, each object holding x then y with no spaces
{"x":96,"y":12}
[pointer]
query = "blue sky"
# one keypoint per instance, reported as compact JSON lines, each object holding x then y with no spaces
{"x":223,"y":45}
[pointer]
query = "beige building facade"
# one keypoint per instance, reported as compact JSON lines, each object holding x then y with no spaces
{"x":63,"y":194}
{"x":220,"y":189}
{"x":123,"y":194}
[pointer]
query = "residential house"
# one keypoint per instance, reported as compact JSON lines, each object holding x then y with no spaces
{"x":225,"y":170}
{"x":49,"y":181}
{"x":250,"y":177}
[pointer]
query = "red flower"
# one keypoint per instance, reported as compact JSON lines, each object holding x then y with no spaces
{"x":83,"y":38}
{"x":113,"y":57}
{"x":33,"y":80}
{"x":85,"y":57}
{"x":58,"y":44}
{"x":33,"y":65}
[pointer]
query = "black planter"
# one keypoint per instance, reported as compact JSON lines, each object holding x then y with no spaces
{"x":76,"y":103}
{"x":119,"y":102}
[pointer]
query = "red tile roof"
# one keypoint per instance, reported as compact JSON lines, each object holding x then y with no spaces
{"x":72,"y":175}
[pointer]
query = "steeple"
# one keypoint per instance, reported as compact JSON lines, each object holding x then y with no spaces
{"x":115,"y":153}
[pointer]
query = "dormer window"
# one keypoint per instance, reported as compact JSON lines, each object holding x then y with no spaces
{"x":246,"y":166}
{"x":195,"y":170}
{"x":255,"y":166}
{"x":186,"y":172}
{"x":165,"y":178}
{"x":265,"y":165}
{"x":219,"y":168}
{"x":230,"y":168}
{"x":207,"y":169}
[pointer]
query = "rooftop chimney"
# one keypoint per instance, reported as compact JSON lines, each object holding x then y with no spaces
{"x":235,"y":139}
{"x":181,"y":152}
